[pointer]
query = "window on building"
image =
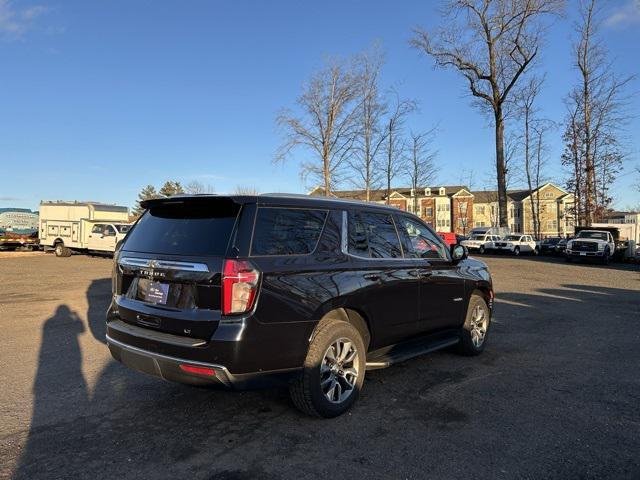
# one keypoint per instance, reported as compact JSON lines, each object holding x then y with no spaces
{"x":428,"y":211}
{"x":427,"y":192}
{"x":552,"y":225}
{"x":480,"y":209}
{"x":548,"y":194}
{"x":442,"y":191}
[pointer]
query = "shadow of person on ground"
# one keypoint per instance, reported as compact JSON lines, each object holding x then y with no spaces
{"x":59,"y":385}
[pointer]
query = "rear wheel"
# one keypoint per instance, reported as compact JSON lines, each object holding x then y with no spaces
{"x":481,"y":249}
{"x":516,"y":251}
{"x":473,"y":335}
{"x":62,"y":251}
{"x":333,"y":371}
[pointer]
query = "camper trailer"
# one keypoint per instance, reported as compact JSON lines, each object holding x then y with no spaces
{"x":68,"y":227}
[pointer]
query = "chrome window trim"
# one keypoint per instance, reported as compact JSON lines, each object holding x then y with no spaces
{"x":163,"y":264}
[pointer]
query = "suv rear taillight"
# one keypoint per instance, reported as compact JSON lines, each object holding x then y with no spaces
{"x":239,"y":286}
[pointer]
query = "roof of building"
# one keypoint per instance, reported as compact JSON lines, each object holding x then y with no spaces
{"x":376,"y":195}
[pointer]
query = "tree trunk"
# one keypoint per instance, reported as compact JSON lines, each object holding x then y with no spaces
{"x":327,"y":177}
{"x":500,"y":169}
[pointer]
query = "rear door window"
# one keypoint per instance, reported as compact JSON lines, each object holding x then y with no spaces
{"x":184,"y":228}
{"x":373,"y":235}
{"x":287,"y":231}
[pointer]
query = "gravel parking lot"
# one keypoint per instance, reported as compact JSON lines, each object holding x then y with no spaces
{"x":555,"y":395}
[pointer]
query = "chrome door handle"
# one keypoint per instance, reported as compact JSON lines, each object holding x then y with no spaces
{"x":374,"y":277}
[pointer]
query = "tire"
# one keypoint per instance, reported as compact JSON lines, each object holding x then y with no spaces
{"x":308,"y":392}
{"x":516,"y":251}
{"x":536,"y":251}
{"x":62,"y":251}
{"x":471,"y":343}
{"x":568,"y":259}
{"x":605,"y":258}
{"x":481,"y":249}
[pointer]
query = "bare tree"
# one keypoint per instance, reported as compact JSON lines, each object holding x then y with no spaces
{"x":196,"y":187}
{"x":572,"y":158}
{"x":370,"y":141}
{"x":419,"y":164}
{"x":593,"y":131}
{"x":394,"y":145}
{"x":532,"y":144}
{"x":246,"y":190}
{"x":491,"y":43}
{"x":327,"y":123}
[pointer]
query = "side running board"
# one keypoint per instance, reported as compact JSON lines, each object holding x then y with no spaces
{"x":400,"y":352}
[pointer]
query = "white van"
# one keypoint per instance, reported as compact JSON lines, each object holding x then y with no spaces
{"x":66,"y":227}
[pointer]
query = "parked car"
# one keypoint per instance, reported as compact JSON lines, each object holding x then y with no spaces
{"x":246,"y":291}
{"x":591,"y":244}
{"x":481,"y":242}
{"x":517,"y":244}
{"x":549,"y":244}
{"x":449,"y":238}
{"x":562,"y":246}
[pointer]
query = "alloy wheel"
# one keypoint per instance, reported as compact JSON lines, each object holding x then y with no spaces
{"x":339,"y":370}
{"x":479,"y":324}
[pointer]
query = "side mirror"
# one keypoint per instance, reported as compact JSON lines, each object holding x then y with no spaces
{"x":459,"y":252}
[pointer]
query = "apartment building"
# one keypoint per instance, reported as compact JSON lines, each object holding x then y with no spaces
{"x":458,"y":209}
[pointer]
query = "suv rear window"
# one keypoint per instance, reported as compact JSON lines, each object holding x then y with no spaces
{"x":287,"y":231}
{"x":184,"y":228}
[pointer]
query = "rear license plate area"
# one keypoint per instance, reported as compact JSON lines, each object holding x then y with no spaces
{"x":166,"y":294}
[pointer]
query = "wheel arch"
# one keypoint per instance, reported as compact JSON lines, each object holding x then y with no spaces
{"x":351,"y":316}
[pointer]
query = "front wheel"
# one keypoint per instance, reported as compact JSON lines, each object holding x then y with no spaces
{"x":333,"y":371}
{"x":473,"y":335}
{"x":516,"y":251}
{"x":482,"y":249}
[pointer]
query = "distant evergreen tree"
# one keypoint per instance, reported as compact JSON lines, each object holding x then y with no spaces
{"x":146,"y":193}
{"x":171,"y":188}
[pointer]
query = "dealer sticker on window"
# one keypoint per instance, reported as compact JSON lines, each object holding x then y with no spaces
{"x":157,"y":292}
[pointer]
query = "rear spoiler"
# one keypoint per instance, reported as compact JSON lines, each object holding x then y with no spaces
{"x":213,"y":200}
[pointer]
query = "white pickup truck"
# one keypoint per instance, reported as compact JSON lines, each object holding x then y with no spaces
{"x":517,"y":244}
{"x":594,"y":244}
{"x":480,"y":242}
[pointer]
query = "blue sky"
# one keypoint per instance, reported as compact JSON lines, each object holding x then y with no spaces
{"x":98,"y":99}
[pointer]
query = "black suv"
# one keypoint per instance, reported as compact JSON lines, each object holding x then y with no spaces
{"x":243,"y":291}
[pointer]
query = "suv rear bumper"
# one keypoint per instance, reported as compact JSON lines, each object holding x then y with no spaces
{"x":182,"y":370}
